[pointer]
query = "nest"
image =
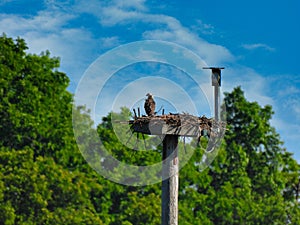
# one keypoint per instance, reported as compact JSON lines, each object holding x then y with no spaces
{"x":180,"y":123}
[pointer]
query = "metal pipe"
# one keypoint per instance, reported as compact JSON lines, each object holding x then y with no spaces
{"x":216,"y":82}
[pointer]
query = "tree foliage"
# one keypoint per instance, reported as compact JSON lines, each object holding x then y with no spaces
{"x":40,"y":166}
{"x":45,"y":180}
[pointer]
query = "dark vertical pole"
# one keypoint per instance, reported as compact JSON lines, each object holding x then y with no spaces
{"x":216,"y":82}
{"x":217,"y":103}
{"x":169,"y":205}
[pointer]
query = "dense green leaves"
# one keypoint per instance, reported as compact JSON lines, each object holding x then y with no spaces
{"x":34,"y":100}
{"x":40,"y":178}
{"x":45,"y":180}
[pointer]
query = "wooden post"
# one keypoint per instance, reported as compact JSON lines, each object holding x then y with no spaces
{"x":169,"y":213}
{"x":171,"y":127}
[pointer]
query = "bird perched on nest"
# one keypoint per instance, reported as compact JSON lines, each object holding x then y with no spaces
{"x":149,"y":105}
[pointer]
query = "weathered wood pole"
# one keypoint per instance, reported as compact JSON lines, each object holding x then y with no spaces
{"x":169,"y":201}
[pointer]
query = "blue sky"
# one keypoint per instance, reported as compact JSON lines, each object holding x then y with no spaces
{"x":257,"y":42}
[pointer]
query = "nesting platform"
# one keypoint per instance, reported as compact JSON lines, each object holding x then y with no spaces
{"x":173,"y":124}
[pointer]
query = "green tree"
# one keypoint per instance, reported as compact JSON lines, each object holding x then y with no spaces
{"x":35,"y":107}
{"x":40,"y":191}
{"x":43,"y":177}
{"x":253,"y":180}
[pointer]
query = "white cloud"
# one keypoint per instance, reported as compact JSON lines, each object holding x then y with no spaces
{"x":49,"y":30}
{"x":111,"y":13}
{"x":43,"y":31}
{"x":290,"y":90}
{"x":61,"y":5}
{"x":50,"y":20}
{"x":111,"y":16}
{"x":211,"y":53}
{"x":170,"y":29}
{"x":44,"y":21}
{"x":255,"y":86}
{"x":109,"y":42}
{"x":203,"y":28}
{"x":12,"y":24}
{"x":131,"y":4}
{"x":258,"y":46}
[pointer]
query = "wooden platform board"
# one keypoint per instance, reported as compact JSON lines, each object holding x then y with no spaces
{"x":172,"y":124}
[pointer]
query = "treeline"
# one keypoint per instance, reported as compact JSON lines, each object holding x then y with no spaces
{"x":45,"y":180}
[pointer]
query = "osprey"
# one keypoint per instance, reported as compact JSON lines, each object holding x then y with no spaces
{"x":149,"y":105}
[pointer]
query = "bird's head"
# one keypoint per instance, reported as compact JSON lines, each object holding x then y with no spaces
{"x":149,"y":95}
